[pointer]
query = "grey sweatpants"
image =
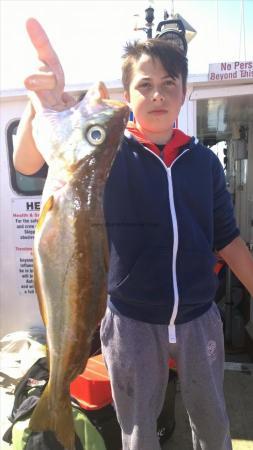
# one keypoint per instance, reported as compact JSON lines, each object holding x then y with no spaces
{"x":136,"y":354}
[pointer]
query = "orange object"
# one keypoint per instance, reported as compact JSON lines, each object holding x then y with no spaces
{"x":218,"y":266}
{"x":172,"y":363}
{"x":92,"y":388}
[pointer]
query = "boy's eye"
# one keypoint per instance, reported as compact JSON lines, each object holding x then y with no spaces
{"x":169,"y":82}
{"x":145,"y":84}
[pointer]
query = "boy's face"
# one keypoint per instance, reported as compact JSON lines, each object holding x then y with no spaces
{"x":155,"y":99}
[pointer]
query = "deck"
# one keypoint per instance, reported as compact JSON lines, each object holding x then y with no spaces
{"x":239,"y":397}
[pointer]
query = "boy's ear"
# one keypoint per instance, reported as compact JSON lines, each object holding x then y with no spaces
{"x":183,"y":96}
{"x":126,"y":96}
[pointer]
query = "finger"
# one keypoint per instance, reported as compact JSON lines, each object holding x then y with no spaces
{"x":68,"y":100}
{"x":41,"y":101}
{"x":43,"y":46}
{"x":43,"y":68}
{"x":40,"y":82}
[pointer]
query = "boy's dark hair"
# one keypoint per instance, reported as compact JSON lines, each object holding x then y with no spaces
{"x":172,"y":59}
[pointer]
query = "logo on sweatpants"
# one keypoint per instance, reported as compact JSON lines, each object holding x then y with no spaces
{"x":211,"y":351}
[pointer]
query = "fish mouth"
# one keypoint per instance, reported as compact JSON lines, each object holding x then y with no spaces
{"x":121,"y":108}
{"x":117,"y":104}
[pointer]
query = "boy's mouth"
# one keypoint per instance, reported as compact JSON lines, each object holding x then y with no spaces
{"x":158,"y":111}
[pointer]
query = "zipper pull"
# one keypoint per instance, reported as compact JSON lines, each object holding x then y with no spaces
{"x":172,"y":334}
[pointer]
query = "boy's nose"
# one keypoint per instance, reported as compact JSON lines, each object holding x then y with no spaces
{"x":158,"y":95}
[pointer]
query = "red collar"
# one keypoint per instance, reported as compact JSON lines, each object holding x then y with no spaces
{"x":170,"y":150}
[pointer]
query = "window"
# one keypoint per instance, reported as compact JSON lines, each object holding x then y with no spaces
{"x":23,"y":184}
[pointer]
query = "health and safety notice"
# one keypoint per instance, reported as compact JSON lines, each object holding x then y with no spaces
{"x":25,"y":215}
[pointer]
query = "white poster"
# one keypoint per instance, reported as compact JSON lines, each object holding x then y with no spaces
{"x":236,"y":70}
{"x":25,"y":214}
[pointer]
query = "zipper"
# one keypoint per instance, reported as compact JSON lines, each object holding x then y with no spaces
{"x":172,"y":327}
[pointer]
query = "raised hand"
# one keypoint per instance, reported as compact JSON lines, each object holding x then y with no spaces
{"x":46,"y":88}
{"x":47,"y":84}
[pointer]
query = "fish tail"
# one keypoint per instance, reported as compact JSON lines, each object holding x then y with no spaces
{"x":45,"y":417}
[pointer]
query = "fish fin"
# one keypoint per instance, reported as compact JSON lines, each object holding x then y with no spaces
{"x":97,"y":92}
{"x":60,"y":421}
{"x":38,"y":290}
{"x":46,"y":208}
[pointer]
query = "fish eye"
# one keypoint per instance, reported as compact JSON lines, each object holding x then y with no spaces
{"x":96,"y":135}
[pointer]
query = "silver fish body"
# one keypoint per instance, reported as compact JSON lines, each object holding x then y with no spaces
{"x":70,"y":246}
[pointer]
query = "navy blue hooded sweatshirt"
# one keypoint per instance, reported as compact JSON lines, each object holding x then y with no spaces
{"x":163,"y":225}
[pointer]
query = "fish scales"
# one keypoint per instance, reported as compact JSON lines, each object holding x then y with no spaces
{"x":70,"y":246}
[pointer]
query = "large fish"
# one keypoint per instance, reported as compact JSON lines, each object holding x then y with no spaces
{"x":70,"y":246}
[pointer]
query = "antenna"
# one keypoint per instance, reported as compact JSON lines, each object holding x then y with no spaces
{"x":174,"y":29}
{"x":218,"y":24}
{"x":242,"y":31}
{"x":172,"y":8}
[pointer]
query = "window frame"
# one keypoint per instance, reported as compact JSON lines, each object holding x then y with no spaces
{"x":10,"y":149}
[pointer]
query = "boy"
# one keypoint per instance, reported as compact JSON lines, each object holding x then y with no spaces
{"x":166,"y":209}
